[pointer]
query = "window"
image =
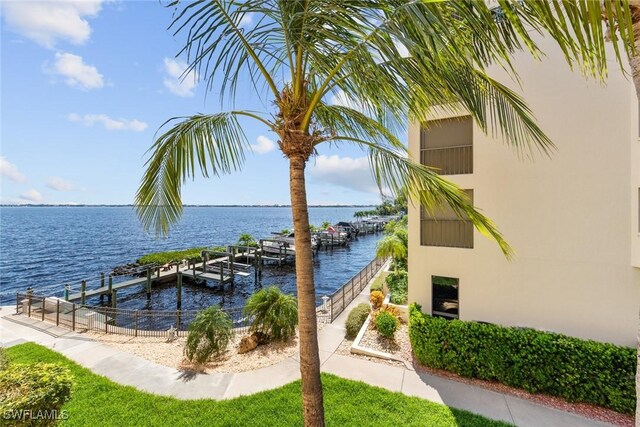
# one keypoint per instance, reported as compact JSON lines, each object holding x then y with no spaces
{"x":444,"y":297}
{"x":444,"y":228}
{"x":448,"y":145}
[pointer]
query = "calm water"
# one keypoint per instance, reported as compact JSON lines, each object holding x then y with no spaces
{"x":45,"y":247}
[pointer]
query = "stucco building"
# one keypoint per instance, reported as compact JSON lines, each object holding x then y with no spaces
{"x":572,"y":218}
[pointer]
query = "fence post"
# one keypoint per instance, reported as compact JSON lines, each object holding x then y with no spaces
{"x":177,"y":321}
{"x":73,"y":316}
{"x":17,"y":302}
{"x":179,"y":292}
{"x":29,"y":304}
{"x":114,"y":298}
{"x":106,"y":324}
{"x":135,"y":322}
{"x":57,"y":312}
{"x":44,"y":302}
{"x":148,"y":283}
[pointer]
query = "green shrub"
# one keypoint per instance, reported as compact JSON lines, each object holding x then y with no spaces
{"x":192,"y":254}
{"x":538,"y":362}
{"x":386,"y":324}
{"x":398,"y":284}
{"x":273,"y":312}
{"x":40,"y":388}
{"x":247,"y":239}
{"x":356,"y":318}
{"x":209,"y":335}
{"x":162,"y":258}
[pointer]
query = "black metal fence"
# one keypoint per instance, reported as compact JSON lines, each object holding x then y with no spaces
{"x":114,"y":320}
{"x":78,"y":317}
{"x":340,"y":299}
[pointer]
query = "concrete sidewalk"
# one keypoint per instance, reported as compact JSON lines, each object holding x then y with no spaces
{"x":125,"y":368}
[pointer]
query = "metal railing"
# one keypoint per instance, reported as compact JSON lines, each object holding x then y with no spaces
{"x":335,"y":304}
{"x":449,"y":160}
{"x":109,"y":320}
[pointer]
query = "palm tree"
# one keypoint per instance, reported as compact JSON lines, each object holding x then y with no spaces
{"x":394,"y":245}
{"x":390,"y":60}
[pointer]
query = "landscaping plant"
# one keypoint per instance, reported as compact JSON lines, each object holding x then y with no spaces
{"x":273,"y":313}
{"x":398,"y":284}
{"x":247,"y":239}
{"x":209,"y":335}
{"x":386,"y":324}
{"x":376,"y":298}
{"x":35,"y":387}
{"x":356,"y":318}
{"x":536,"y":361}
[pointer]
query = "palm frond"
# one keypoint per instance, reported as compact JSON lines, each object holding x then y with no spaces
{"x":393,"y":170}
{"x":209,"y":143}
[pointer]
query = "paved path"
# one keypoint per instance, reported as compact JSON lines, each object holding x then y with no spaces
{"x":125,"y":368}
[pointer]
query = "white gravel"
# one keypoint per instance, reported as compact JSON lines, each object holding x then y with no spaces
{"x":156,"y":349}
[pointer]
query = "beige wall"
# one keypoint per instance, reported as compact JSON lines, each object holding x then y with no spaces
{"x":572,"y":219}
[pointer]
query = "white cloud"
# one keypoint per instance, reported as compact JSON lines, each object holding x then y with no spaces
{"x":246,"y":21}
{"x":351,"y":173}
{"x":60,"y":184}
{"x":108,"y":123}
{"x":264,"y":145}
{"x":31,"y":196}
{"x":177,"y":81}
{"x":47,"y":22}
{"x":10,"y":171}
{"x":76,"y":72}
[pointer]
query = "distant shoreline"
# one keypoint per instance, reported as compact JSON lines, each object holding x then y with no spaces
{"x":31,"y":205}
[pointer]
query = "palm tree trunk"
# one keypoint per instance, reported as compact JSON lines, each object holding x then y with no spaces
{"x":312,"y":400}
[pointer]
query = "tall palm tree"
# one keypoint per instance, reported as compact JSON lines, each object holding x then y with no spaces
{"x":392,"y":60}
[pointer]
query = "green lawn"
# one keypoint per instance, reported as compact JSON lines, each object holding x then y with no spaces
{"x":99,"y":401}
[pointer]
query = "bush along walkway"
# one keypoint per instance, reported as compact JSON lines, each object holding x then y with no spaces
{"x":128,"y":369}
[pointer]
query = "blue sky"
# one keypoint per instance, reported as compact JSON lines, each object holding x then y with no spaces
{"x":85,"y":86}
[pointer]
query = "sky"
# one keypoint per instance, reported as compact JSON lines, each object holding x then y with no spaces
{"x":85,"y":86}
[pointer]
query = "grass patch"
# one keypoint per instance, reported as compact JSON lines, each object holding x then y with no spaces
{"x":192,"y":254}
{"x":99,"y":401}
{"x":378,"y":282}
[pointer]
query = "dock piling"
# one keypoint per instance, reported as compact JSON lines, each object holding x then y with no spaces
{"x":110,"y":288}
{"x":83,"y":289}
{"x":101,"y":286}
{"x":179,"y":291}
{"x":148,"y":283}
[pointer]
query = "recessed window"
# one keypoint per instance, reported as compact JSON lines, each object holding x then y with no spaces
{"x":447,"y":145}
{"x":443,"y":228}
{"x":444,"y":296}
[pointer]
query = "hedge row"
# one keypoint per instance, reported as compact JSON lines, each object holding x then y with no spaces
{"x":40,"y":388}
{"x":538,"y":362}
